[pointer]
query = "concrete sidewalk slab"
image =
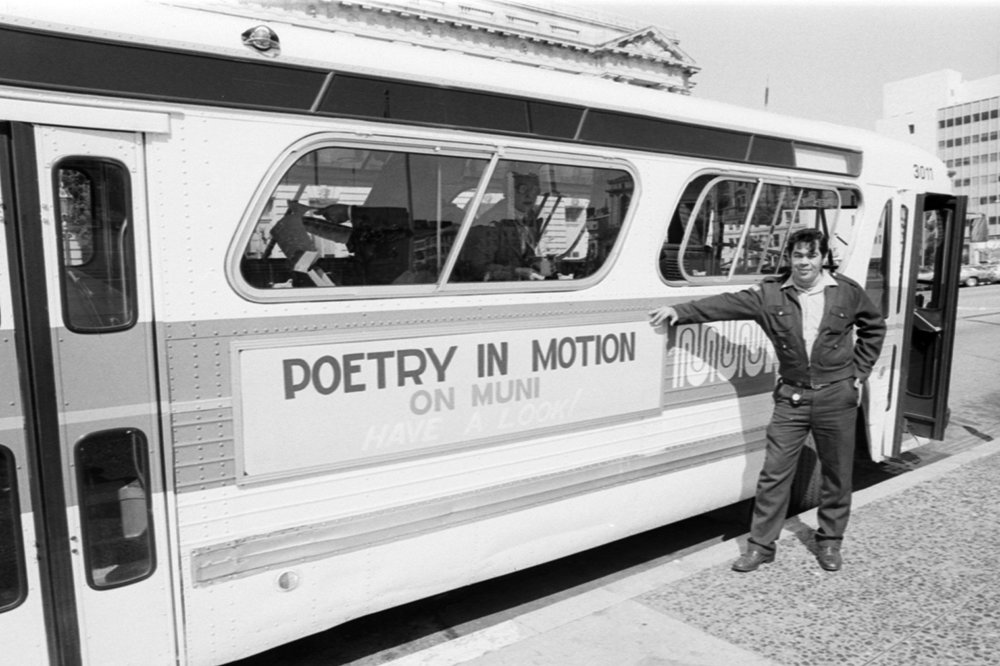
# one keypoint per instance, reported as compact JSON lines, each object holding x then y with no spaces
{"x":917,"y":563}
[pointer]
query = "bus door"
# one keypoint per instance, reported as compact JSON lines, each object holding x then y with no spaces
{"x":81,"y":445}
{"x":938,"y":223}
{"x":21,"y":612}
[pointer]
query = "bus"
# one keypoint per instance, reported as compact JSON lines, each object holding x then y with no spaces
{"x":290,"y":338}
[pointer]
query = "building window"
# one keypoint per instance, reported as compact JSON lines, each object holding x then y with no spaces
{"x":911,"y":129}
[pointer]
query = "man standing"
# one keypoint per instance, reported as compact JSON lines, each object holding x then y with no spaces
{"x":827,"y":335}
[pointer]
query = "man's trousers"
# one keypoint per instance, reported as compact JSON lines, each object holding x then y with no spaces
{"x":830,"y":413}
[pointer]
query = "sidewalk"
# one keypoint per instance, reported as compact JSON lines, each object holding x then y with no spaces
{"x":920,"y":587}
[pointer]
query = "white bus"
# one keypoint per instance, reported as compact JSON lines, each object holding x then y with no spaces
{"x":280,"y":347}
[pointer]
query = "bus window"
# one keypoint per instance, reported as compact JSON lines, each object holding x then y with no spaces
{"x":904,"y":222}
{"x":115,"y":511}
{"x":351,"y":217}
{"x":730,"y":229}
{"x":12,"y":581}
{"x":96,"y":247}
{"x":876,"y":283}
{"x":544,"y":222}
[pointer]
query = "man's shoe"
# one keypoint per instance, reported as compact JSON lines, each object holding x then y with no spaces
{"x":829,"y":558}
{"x":752,"y":559}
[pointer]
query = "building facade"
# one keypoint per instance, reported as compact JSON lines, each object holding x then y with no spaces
{"x":959,"y":121}
{"x":536,"y":34}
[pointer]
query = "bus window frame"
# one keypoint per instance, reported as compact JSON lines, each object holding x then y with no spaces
{"x":492,"y":153}
{"x":830,"y":227}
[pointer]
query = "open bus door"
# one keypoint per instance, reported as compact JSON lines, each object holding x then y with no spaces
{"x":84,"y":568}
{"x":939,"y":225}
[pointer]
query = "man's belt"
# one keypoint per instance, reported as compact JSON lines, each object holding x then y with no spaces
{"x":810,"y":385}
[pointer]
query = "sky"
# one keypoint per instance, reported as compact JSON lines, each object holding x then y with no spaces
{"x":821,"y":60}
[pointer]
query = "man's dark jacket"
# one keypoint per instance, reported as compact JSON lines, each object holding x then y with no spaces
{"x":776,"y":308}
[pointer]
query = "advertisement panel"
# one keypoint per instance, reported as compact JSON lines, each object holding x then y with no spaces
{"x":331,"y":403}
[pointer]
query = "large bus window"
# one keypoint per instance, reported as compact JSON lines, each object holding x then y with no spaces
{"x":349,"y":217}
{"x":12,"y":580}
{"x":96,"y":245}
{"x":736,"y":229}
{"x":115,"y":510}
{"x":544,"y":222}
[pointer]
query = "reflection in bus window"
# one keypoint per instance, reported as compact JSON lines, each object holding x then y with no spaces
{"x":733,"y":229}
{"x":932,"y":248}
{"x":12,"y":582}
{"x":544,"y":222}
{"x":96,"y":248}
{"x":903,"y":242}
{"x":876,"y":282}
{"x":115,"y":510}
{"x":348,"y":217}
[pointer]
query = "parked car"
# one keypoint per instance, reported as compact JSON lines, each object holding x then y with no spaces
{"x":971,"y":275}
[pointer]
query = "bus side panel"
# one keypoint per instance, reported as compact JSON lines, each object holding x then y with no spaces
{"x":308,"y":523}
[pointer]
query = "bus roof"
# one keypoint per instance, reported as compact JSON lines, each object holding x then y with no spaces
{"x":195,"y":53}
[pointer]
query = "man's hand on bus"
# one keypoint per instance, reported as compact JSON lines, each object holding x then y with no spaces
{"x":663,"y":314}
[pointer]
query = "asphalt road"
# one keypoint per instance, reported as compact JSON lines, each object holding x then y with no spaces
{"x":975,"y":375}
{"x":974,"y":400}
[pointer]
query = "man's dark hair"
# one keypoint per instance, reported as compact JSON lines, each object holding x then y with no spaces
{"x":814,"y":239}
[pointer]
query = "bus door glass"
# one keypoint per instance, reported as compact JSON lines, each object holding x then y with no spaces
{"x":92,"y":422}
{"x":21,"y":612}
{"x":934,"y":277}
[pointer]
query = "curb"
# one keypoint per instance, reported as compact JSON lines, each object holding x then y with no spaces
{"x":537,"y":622}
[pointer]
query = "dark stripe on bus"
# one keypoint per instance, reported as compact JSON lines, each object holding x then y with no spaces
{"x":71,"y":63}
{"x":74,"y":64}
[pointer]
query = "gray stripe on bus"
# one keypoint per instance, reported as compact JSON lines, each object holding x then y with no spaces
{"x":257,"y":554}
{"x":199,"y":357}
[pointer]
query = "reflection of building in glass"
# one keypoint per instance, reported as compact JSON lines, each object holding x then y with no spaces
{"x":960,"y":122}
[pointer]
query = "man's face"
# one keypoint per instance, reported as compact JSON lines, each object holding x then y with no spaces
{"x":807,"y":263}
{"x":526,"y":192}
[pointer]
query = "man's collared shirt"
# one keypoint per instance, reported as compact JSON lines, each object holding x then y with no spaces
{"x":813,"y":301}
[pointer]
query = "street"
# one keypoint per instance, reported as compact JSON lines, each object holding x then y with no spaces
{"x":975,"y":376}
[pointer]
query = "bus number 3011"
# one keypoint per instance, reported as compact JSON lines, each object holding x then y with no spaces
{"x":922,"y":172}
